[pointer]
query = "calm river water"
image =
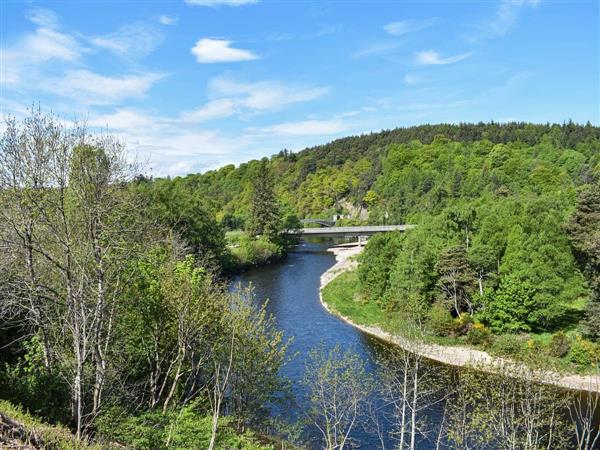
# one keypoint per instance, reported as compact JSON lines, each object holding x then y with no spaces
{"x":292,"y":288}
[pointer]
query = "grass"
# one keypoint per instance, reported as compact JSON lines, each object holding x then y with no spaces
{"x":342,"y":295}
{"x":51,"y":436}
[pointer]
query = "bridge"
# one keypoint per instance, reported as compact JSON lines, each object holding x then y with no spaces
{"x":358,"y":231}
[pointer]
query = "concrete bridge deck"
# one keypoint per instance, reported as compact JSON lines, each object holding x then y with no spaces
{"x":358,"y":231}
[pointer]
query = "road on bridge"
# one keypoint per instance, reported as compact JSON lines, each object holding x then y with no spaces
{"x":357,"y":231}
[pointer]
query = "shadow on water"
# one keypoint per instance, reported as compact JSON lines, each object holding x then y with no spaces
{"x":291,"y":290}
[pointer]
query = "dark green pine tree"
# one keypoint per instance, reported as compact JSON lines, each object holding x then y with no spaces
{"x":263,"y":214}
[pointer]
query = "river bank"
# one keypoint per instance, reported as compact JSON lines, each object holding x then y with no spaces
{"x":451,"y":355}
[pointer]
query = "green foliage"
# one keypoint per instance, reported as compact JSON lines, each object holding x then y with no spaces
{"x":374,"y":268}
{"x":34,"y":386}
{"x":54,"y":437}
{"x":511,"y":307}
{"x":264,"y":218}
{"x":560,"y":345}
{"x":255,"y":252}
{"x":507,"y":345}
{"x":177,"y":430}
{"x":440,"y":320}
{"x":584,"y":233}
{"x":479,"y":334}
{"x":584,"y":353}
{"x":175,"y":206}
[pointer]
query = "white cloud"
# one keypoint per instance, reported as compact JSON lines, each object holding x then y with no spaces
{"x":92,"y":88}
{"x":167,"y":19}
{"x":43,"y":45}
{"x":231,"y":97}
{"x":216,"y":109}
{"x":503,"y":19}
{"x":134,"y":40}
{"x":408,"y":26}
{"x":430,"y":57}
{"x":264,"y":95}
{"x":214,"y":3}
{"x":218,"y":50}
{"x":306,"y":128}
{"x":122,"y":119}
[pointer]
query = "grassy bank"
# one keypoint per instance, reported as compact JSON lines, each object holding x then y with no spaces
{"x":19,"y":429}
{"x":563,"y":352}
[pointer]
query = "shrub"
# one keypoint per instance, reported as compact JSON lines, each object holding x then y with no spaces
{"x":254,"y":252}
{"x":479,"y":334}
{"x":462,"y":325}
{"x":507,"y":345}
{"x":583,"y":353}
{"x":559,"y":346}
{"x":440,"y":320}
{"x":183,"y":430}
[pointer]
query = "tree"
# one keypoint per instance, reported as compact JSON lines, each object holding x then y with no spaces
{"x":584,"y":234}
{"x":263,"y":214}
{"x":409,"y":386}
{"x":509,"y":409}
{"x":338,"y":388}
{"x":72,"y":225}
{"x":456,"y":279}
{"x":511,"y":307}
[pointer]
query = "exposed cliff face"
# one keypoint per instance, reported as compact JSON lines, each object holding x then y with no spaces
{"x":355,"y":212}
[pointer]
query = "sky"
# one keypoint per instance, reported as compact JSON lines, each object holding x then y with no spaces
{"x":192,"y":85}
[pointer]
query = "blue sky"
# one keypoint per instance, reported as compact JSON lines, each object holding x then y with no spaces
{"x":192,"y":85}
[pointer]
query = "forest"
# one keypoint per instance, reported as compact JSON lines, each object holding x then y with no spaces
{"x":119,"y":328}
{"x":508,"y":226}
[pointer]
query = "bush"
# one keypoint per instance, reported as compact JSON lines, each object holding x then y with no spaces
{"x":583,"y":353}
{"x":30,"y":384}
{"x":462,"y":325}
{"x":254,"y":252}
{"x":560,"y":345}
{"x":507,"y":345}
{"x":440,"y":320}
{"x":479,"y":334}
{"x":185,"y":429}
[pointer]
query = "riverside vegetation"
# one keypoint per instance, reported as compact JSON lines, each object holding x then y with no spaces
{"x":117,"y":321}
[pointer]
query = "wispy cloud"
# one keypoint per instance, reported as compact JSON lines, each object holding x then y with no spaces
{"x":47,"y":43}
{"x":408,"y":26}
{"x":216,"y":109}
{"x":166,"y":19}
{"x":306,"y":128}
{"x":133,"y":40}
{"x":503,"y":19}
{"x":209,"y":51}
{"x":123,"y":119}
{"x":376,"y":49}
{"x":232,"y":97}
{"x":263,"y":95}
{"x":429,"y":57}
{"x":95,"y":89}
{"x":215,"y":3}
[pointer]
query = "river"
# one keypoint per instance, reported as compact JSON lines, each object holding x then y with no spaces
{"x":292,"y":290}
